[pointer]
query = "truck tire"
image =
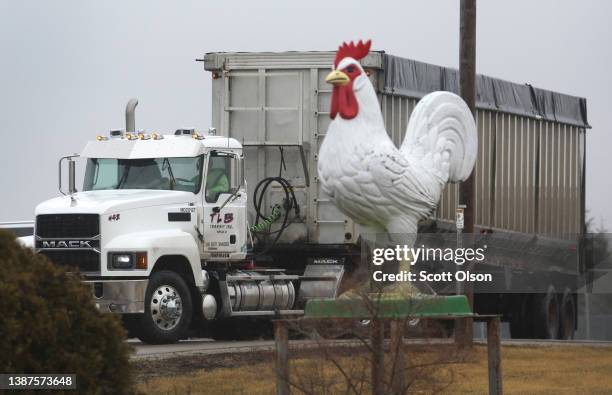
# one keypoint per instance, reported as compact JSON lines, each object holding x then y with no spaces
{"x":567,"y":324}
{"x":546,"y":314}
{"x":168,"y":309}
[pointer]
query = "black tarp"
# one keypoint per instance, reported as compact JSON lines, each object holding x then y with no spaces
{"x":410,"y":78}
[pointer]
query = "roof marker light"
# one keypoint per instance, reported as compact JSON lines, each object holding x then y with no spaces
{"x":130,"y":136}
{"x":101,"y":138}
{"x":143,"y":136}
{"x":184,"y":132}
{"x":156,"y":136}
{"x":116,"y":133}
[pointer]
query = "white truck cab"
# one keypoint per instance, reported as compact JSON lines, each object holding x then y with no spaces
{"x":159,"y":231}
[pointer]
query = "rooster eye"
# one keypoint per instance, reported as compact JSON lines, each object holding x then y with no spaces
{"x":350,"y":69}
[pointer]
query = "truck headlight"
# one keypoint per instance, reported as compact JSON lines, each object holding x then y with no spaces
{"x":127,"y":260}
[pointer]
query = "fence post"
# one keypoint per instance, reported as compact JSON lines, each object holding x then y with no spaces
{"x":494,"y":353}
{"x":281,"y":340}
{"x":397,"y":351}
{"x":377,"y":340}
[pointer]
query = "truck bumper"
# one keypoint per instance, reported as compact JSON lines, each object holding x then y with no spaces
{"x":119,"y":296}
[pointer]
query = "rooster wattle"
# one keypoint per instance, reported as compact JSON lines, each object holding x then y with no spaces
{"x":384,"y":189}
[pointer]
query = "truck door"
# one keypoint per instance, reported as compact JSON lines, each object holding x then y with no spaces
{"x":224,"y":207}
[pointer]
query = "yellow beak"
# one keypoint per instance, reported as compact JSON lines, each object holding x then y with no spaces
{"x":337,"y":77}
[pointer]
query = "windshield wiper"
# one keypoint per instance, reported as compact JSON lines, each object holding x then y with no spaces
{"x":167,"y":165}
{"x":126,"y":170}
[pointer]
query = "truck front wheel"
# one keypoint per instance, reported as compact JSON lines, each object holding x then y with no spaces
{"x":168,"y":309}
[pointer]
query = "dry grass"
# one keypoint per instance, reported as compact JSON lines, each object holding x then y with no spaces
{"x":526,"y":370}
{"x":542,"y":370}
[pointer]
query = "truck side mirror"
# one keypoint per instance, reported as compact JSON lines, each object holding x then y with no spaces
{"x":237,"y":176}
{"x":71,"y":174}
{"x":71,"y":177}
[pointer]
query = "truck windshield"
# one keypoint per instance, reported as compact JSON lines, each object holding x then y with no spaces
{"x":180,"y":174}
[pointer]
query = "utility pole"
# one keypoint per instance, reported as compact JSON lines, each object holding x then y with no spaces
{"x":467,"y":89}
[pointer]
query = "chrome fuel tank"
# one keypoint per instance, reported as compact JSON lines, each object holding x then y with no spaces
{"x":252,"y":291}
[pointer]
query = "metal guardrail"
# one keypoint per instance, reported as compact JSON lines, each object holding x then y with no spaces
{"x":17,"y":224}
{"x":19,"y":228}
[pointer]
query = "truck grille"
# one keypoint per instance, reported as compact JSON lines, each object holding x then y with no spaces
{"x":67,"y":225}
{"x":71,"y":240}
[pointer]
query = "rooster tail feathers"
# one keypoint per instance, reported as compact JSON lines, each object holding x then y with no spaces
{"x":441,"y":134}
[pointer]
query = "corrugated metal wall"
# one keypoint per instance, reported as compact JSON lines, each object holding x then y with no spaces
{"x":528,"y":176}
{"x":527,"y":172}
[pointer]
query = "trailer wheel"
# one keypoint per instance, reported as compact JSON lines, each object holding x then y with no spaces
{"x":546,"y":318}
{"x":567,"y":324}
{"x":168,"y":309}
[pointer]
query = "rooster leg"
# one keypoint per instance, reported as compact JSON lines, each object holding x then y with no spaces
{"x":362,"y":284}
{"x":402,"y":232}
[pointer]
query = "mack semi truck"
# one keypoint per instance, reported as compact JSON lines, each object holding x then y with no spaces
{"x":166,"y":232}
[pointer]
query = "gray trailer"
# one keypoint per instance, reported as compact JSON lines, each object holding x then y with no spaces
{"x":530,"y":179}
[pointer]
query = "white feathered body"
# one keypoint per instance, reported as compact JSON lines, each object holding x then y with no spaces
{"x":386,"y":189}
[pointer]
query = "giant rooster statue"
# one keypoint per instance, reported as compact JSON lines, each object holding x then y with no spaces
{"x":384,"y":189}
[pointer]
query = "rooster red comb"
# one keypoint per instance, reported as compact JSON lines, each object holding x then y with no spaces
{"x":356,"y":52}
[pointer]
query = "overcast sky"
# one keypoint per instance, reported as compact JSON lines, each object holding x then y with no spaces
{"x":67,"y":68}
